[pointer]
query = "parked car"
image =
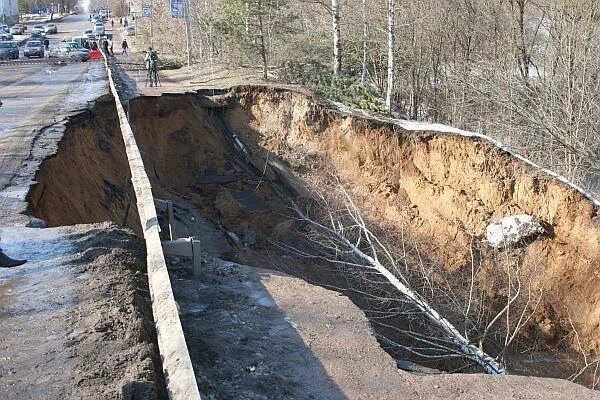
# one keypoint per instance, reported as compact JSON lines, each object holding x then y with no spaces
{"x":99,"y":30}
{"x":33,"y":48}
{"x":69,"y":50}
{"x":130,"y":31}
{"x":16,"y":30}
{"x":4,"y":27}
{"x":51,"y":28}
{"x":9,"y":50}
{"x":5,"y":36}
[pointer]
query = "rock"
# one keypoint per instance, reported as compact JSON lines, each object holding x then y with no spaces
{"x":511,"y":230}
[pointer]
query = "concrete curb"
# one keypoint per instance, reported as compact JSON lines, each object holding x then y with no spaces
{"x":176,"y":362}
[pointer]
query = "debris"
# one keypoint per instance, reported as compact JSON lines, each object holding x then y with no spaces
{"x":509,"y":231}
{"x":234,"y":239}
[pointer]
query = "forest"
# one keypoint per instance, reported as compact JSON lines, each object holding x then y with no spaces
{"x":522,"y":71}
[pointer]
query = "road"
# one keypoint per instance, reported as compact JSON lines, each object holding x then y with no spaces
{"x":37,"y":99}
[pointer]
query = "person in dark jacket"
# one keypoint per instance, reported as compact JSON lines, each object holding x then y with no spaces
{"x":124,"y":46}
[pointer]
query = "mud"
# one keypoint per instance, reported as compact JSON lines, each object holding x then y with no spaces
{"x":440,"y":188}
{"x":76,"y":319}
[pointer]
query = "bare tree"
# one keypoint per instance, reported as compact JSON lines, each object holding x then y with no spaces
{"x":352,"y":244}
{"x":391,"y":49}
{"x":365,"y":42}
{"x":337,"y":46}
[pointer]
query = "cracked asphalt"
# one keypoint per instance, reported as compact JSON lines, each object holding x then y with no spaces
{"x":37,"y":99}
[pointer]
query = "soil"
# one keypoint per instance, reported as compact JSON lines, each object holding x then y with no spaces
{"x":258,"y":333}
{"x":441,"y":190}
{"x":190,"y":160}
{"x":87,"y":183}
{"x":76,"y":319}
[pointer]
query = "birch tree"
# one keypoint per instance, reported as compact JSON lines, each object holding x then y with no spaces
{"x":337,"y":45}
{"x":365,"y":42}
{"x":391,"y":47}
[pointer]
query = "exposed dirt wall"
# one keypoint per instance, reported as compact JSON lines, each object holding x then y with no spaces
{"x":87,"y":180}
{"x":445,"y":188}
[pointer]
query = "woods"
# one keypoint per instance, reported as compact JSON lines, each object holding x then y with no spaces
{"x":523,"y":72}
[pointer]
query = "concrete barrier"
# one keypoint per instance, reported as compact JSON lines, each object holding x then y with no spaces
{"x":176,"y":363}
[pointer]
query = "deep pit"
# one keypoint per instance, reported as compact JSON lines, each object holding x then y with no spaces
{"x":429,"y":196}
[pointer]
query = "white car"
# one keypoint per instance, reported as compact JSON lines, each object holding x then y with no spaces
{"x":130,"y":31}
{"x":99,"y":29}
{"x":16,"y":30}
{"x":39,"y":28}
{"x":51,"y":28}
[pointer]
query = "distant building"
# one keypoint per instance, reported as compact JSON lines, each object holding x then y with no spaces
{"x":9,"y":11}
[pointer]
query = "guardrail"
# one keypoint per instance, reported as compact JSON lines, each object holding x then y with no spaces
{"x":176,"y":362}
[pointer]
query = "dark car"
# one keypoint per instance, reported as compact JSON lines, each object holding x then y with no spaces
{"x":34,"y":48}
{"x":9,"y":50}
{"x":37,"y":35}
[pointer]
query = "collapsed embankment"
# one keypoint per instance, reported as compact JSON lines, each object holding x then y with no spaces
{"x":438,"y":192}
{"x":445,"y":189}
{"x":88,"y":179}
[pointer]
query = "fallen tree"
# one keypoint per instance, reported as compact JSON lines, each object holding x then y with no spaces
{"x":345,"y":240}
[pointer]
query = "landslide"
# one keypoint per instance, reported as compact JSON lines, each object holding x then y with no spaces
{"x":443,"y":190}
{"x":437,"y":191}
{"x":86,"y":181}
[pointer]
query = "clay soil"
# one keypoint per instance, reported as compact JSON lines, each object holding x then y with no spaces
{"x":239,"y":353}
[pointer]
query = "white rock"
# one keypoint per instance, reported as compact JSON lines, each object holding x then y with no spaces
{"x":512,"y":229}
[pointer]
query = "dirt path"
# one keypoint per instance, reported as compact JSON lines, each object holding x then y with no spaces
{"x":75,"y":320}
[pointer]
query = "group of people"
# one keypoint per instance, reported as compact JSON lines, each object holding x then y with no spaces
{"x":123,"y":21}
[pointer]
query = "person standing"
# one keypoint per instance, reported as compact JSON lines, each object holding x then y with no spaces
{"x":46,"y":45}
{"x":124,"y":46}
{"x":110,"y":42}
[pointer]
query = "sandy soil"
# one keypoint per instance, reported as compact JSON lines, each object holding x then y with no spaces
{"x":228,"y":313}
{"x":261,"y":334}
{"x":76,"y":319}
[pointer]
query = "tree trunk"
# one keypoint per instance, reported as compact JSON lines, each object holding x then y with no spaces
{"x":247,"y":19}
{"x":489,"y":365}
{"x":337,"y":54}
{"x":363,"y":75}
{"x":263,"y":49}
{"x":391,"y":45}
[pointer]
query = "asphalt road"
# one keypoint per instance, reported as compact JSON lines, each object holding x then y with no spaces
{"x":36,"y":101}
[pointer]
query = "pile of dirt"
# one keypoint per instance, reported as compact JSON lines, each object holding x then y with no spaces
{"x":77,"y":319}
